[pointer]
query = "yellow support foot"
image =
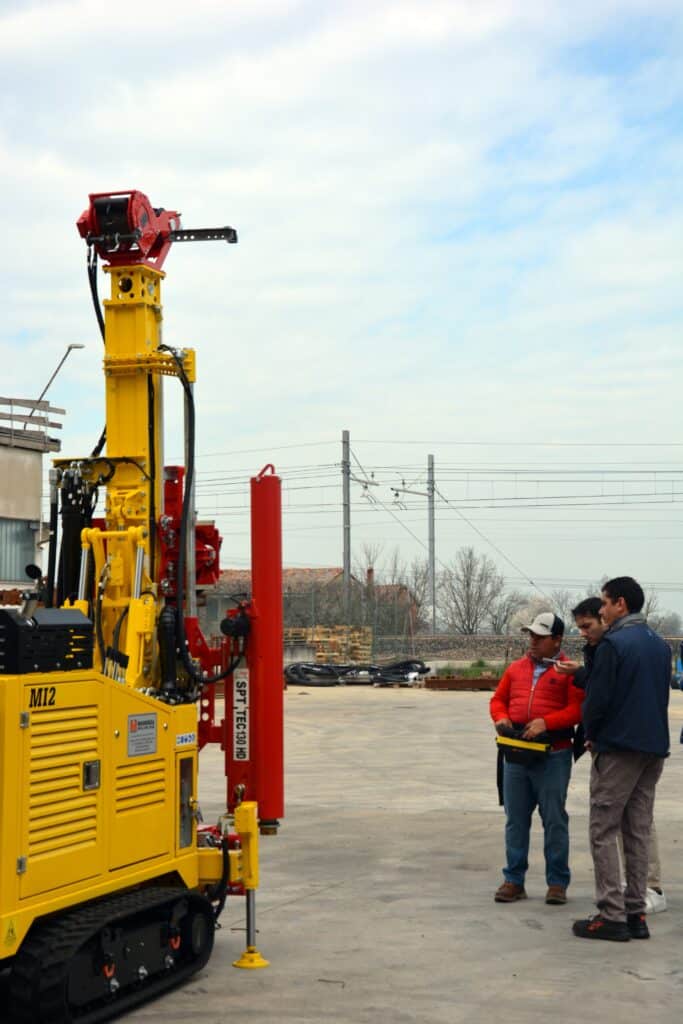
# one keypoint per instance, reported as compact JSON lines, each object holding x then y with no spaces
{"x":251,"y":959}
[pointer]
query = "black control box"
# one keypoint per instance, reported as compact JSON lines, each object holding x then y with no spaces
{"x":53,"y":640}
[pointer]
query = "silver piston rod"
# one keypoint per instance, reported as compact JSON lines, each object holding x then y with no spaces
{"x":83,"y":573}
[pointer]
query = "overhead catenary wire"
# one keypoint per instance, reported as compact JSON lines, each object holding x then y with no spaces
{"x":479,"y":532}
{"x":267,"y":449}
{"x":475,"y":528}
{"x":488,"y":493}
{"x":494,"y":546}
{"x":389,"y":511}
{"x":524,"y":444}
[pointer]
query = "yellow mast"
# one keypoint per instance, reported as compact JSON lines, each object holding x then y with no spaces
{"x":124,"y":552}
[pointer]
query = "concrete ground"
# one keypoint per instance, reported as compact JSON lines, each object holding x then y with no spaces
{"x":376,"y":904}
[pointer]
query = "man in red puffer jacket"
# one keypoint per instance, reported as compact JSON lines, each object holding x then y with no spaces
{"x":536,"y":702}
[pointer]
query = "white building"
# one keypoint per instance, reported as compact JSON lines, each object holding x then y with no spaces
{"x":24,"y":439}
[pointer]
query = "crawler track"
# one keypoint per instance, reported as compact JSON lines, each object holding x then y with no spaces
{"x":89,"y":965}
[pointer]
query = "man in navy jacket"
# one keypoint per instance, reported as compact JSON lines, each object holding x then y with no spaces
{"x":625,"y":719}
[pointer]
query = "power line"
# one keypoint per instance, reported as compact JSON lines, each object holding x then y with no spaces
{"x":530,"y":444}
{"x":266,"y":448}
{"x":389,"y":511}
{"x":562,"y":503}
{"x":475,"y":528}
{"x":494,"y":546}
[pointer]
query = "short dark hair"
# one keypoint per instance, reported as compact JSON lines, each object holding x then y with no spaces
{"x":590,"y":607}
{"x":628,"y":588}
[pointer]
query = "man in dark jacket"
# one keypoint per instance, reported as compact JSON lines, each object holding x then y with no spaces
{"x":592,"y":629}
{"x":627,"y":731}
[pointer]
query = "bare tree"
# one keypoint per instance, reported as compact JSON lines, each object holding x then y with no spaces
{"x":367,"y":559}
{"x":669,"y":624}
{"x":595,"y":589}
{"x":391,"y":595}
{"x":503,"y":609}
{"x":394,"y":568}
{"x":651,"y":609}
{"x":417,"y":581}
{"x":666,"y":622}
{"x":562,"y":601}
{"x":468,"y":588}
{"x":533,"y":607}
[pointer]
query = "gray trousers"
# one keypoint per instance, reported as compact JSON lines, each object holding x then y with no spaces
{"x":622,"y":796}
{"x":654,"y":867}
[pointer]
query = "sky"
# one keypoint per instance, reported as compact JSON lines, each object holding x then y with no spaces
{"x":460,"y":229}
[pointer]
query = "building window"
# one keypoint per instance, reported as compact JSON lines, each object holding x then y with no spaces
{"x":17,"y":549}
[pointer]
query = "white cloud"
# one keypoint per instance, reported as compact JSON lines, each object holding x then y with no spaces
{"x":456,"y":220}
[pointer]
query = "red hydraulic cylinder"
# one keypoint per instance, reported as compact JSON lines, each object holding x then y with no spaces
{"x":254,"y":721}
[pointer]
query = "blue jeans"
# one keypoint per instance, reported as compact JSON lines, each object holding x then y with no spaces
{"x":544,"y":786}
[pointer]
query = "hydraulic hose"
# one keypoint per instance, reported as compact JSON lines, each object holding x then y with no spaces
{"x":219,"y":894}
{"x":92,"y":280}
{"x":181,"y":637}
{"x":151,"y":439}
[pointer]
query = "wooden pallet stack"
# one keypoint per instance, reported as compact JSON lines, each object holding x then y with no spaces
{"x":334,"y":643}
{"x":294,"y":636}
{"x":341,"y":643}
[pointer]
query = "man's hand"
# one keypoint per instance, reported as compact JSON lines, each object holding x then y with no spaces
{"x":534,"y":728}
{"x":503,"y":725}
{"x":567,"y":668}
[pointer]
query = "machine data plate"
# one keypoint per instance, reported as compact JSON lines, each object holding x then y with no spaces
{"x":142,"y":735}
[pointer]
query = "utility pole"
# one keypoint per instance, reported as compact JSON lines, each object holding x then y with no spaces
{"x":432,"y":543}
{"x":365,"y":482}
{"x":346,"y":498}
{"x":431,"y":546}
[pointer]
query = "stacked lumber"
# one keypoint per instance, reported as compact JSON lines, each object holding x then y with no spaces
{"x":295,"y":636}
{"x":334,"y":643}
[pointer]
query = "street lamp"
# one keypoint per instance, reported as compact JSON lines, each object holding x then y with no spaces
{"x":60,"y":364}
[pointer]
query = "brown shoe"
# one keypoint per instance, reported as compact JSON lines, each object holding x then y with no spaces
{"x":556,"y":894}
{"x":509,"y":892}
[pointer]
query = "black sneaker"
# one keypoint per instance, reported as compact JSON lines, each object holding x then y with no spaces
{"x":599,"y":927}
{"x":637,"y":926}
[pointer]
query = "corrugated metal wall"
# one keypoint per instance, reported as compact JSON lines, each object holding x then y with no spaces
{"x":17,"y":549}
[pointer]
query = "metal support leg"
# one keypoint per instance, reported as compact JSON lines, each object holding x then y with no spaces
{"x":251,"y":917}
{"x":251,"y":959}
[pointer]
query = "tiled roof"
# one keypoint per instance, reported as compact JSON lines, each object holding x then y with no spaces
{"x":235,"y":581}
{"x":239,"y":580}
